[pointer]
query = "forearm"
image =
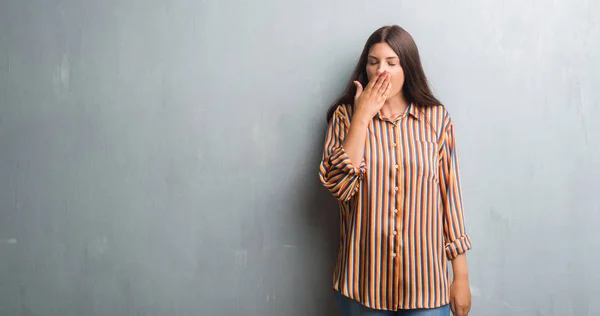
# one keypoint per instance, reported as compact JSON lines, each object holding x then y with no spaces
{"x":354,"y":144}
{"x":459,"y":267}
{"x":340,"y":170}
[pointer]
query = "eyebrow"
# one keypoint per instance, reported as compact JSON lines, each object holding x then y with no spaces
{"x":391,"y":57}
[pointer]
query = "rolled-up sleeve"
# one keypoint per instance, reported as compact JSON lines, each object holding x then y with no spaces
{"x":336,"y":172}
{"x":456,"y":238}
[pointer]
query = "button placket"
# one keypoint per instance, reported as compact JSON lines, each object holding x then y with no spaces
{"x":399,"y":199}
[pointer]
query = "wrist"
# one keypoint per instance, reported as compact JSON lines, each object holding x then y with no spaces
{"x":361,"y":119}
{"x":461,"y":277}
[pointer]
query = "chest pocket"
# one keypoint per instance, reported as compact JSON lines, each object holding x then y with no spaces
{"x":425,"y":159}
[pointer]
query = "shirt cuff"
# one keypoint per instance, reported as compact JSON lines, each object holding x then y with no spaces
{"x":458,"y":247}
{"x":340,"y":160}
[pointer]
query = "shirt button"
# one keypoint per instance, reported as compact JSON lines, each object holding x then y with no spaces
{"x":396,"y":166}
{"x":396,"y":188}
{"x":394,"y":254}
{"x":395,"y":232}
{"x":394,"y":144}
{"x":395,"y":211}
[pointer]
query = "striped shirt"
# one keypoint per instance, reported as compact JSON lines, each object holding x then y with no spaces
{"x":401,"y":214}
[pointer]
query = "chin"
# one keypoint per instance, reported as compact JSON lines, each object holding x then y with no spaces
{"x":394,"y":95}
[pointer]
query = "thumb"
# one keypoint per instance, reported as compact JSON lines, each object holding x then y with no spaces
{"x":359,"y":88}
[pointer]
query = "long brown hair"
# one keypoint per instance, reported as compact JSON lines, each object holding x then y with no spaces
{"x":415,"y":89}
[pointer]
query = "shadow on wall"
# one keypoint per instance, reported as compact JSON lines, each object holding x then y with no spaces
{"x":321,"y":223}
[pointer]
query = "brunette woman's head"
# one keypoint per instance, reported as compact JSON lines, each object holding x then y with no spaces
{"x":391,"y":49}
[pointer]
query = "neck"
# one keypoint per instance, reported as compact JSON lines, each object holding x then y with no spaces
{"x":394,"y":106}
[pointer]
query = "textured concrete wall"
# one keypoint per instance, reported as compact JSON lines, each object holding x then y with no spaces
{"x":159,"y":157}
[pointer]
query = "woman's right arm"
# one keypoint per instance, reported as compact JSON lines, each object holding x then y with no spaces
{"x":340,"y":170}
{"x":367,"y":104}
{"x":354,"y":144}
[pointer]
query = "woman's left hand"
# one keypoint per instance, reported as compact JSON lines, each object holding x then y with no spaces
{"x":460,"y":297}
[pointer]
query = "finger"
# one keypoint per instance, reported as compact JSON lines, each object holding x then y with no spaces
{"x":386,"y":93}
{"x":379,"y":82}
{"x":373,"y":80}
{"x":466,"y":310}
{"x":359,"y":89}
{"x":453,"y":308}
{"x":384,"y":84}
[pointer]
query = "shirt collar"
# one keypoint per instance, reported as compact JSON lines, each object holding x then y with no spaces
{"x":412,"y":110}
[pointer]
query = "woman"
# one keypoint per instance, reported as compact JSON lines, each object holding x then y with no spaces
{"x":390,"y":159}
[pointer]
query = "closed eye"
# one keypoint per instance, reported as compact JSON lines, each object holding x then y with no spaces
{"x":375,"y":63}
{"x":373,"y":60}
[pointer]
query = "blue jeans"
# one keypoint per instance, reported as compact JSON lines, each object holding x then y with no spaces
{"x":350,"y":307}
